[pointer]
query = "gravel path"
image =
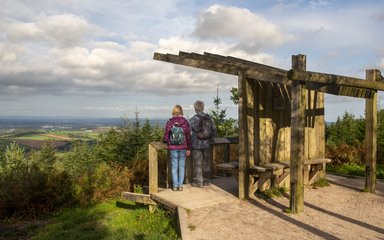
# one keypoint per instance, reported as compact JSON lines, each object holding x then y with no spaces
{"x":339,"y":211}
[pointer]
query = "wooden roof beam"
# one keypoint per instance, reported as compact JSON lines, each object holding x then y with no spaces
{"x":260,"y":72}
{"x":223,"y":65}
{"x":235,"y":62}
{"x":196,"y":63}
{"x":325,"y":78}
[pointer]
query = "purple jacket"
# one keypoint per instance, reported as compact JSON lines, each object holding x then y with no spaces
{"x":185,"y":126}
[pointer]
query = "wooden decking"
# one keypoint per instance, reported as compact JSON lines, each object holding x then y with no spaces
{"x":220,"y":190}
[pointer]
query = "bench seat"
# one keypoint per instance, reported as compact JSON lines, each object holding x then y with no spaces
{"x":275,"y":173}
{"x":230,"y":168}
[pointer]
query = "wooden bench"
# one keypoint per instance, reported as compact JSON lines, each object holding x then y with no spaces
{"x":311,"y":168}
{"x":229,"y":168}
{"x":275,"y":172}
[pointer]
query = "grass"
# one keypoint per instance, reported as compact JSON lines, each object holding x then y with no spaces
{"x":354,"y":169}
{"x":192,"y":227}
{"x":322,"y":182}
{"x":273,"y":192}
{"x":53,"y":135}
{"x":34,"y":136}
{"x":110,"y":220}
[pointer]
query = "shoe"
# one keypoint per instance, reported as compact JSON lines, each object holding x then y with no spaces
{"x":195,"y":184}
{"x":174,"y":189}
{"x":180,"y":188}
{"x":206,"y":183}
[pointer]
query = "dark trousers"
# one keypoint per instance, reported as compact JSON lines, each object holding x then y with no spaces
{"x":201,"y":164}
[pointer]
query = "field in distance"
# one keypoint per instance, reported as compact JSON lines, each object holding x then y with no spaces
{"x":60,"y":139}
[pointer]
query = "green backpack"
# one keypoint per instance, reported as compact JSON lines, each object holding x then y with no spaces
{"x":176,"y":136}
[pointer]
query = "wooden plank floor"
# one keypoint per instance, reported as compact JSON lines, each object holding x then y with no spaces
{"x":220,"y":190}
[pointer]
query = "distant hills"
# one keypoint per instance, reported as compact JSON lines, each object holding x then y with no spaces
{"x":67,"y":122}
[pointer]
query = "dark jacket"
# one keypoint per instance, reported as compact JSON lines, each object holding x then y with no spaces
{"x":183,"y":123}
{"x":194,"y":123}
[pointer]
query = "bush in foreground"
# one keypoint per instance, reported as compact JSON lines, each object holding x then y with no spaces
{"x":108,"y":220}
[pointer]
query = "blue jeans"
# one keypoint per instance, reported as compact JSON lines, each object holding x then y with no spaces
{"x":178,"y":166}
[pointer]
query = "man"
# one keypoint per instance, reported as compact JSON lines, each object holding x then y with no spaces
{"x":201,"y":145}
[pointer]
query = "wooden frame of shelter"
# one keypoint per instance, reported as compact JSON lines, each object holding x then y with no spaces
{"x":281,"y":116}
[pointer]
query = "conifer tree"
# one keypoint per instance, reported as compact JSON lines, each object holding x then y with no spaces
{"x":225,"y":126}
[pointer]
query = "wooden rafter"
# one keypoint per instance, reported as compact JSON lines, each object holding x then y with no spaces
{"x":321,"y":82}
{"x":324,"y":78}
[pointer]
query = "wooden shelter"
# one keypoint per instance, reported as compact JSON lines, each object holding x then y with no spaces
{"x":281,"y":119}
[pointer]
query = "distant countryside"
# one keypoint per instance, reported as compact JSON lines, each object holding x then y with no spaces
{"x":33,"y":133}
{"x":35,"y":139}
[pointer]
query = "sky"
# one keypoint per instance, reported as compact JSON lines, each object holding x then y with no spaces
{"x":93,"y":58}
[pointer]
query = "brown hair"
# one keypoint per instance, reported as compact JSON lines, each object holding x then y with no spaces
{"x":177,"y":110}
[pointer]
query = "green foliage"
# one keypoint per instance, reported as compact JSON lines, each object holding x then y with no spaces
{"x":127,"y":143}
{"x":26,"y":188}
{"x":40,"y":183}
{"x":235,"y":95}
{"x":345,"y":140}
{"x":346,"y":130}
{"x":348,"y":169}
{"x":322,"y":182}
{"x":79,"y":160}
{"x":288,"y":210}
{"x":225,"y":127}
{"x":380,"y":136}
{"x":273,"y":192}
{"x":137,"y":189}
{"x":106,"y":221}
{"x":13,"y":160}
{"x":192,"y":227}
{"x":354,"y":169}
{"x":44,"y":181}
{"x":48,"y":154}
{"x":344,"y":153}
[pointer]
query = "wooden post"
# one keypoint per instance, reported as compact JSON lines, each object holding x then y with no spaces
{"x":153,"y":172}
{"x":153,"y":169}
{"x":296,"y":202}
{"x":370,"y":135}
{"x":243,"y":137}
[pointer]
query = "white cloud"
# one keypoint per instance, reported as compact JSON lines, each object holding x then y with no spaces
{"x":382,"y":63}
{"x":86,"y":49}
{"x":65,"y":30}
{"x":67,"y":52}
{"x":56,"y":30}
{"x":246,"y":30}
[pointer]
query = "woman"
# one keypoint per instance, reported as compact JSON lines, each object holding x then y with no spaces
{"x":177,"y":135}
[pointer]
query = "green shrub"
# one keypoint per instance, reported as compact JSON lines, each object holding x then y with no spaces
{"x":344,"y":153}
{"x":27,"y":189}
{"x":322,"y":182}
{"x":41,"y":183}
{"x":273,"y":192}
{"x":354,"y":169}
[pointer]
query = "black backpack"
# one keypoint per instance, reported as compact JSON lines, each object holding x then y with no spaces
{"x":205,"y":130}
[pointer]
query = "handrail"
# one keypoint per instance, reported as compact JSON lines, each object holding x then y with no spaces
{"x":153,"y":149}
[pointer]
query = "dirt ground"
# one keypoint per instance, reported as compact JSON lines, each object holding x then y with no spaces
{"x":339,"y":211}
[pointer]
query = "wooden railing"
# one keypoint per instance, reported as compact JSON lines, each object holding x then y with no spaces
{"x":153,"y":157}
